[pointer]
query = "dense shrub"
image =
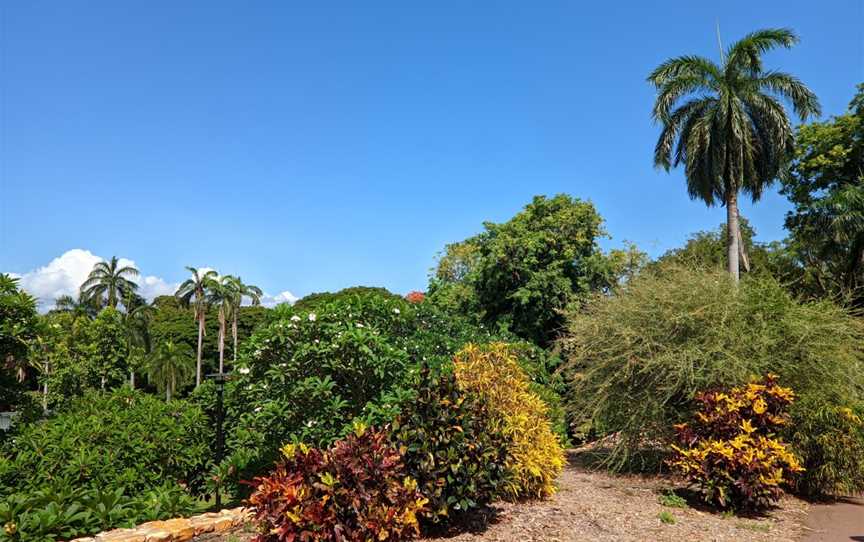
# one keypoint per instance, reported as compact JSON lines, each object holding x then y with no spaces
{"x":535,"y":457}
{"x":309,"y":372}
{"x":637,"y":358}
{"x":358,"y":490}
{"x":729,"y":449}
{"x":107,"y":441}
{"x":64,"y":513}
{"x":449,"y":447}
{"x":831,"y":439}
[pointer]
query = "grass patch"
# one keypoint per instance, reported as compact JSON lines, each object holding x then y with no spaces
{"x":666,"y":517}
{"x":672,"y":500}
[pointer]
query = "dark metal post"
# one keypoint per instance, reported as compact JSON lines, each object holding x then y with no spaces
{"x":220,"y":438}
{"x":219,"y":379}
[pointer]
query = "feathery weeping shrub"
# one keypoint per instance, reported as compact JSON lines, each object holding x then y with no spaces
{"x":830,"y":438}
{"x":637,"y":358}
{"x":535,"y":457}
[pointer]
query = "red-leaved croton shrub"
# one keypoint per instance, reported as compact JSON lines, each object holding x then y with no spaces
{"x":730,"y":449}
{"x":354,"y":492}
{"x":415,"y":297}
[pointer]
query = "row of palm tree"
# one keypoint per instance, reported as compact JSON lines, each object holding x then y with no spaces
{"x":109,"y":284}
{"x":206,"y":289}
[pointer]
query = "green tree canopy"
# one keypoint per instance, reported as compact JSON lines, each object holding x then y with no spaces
{"x":520,"y":274}
{"x":18,"y":329}
{"x":826,"y":188}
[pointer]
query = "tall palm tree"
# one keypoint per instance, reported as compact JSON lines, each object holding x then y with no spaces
{"x":221,"y":293}
{"x":193,"y":292}
{"x":109,"y":282}
{"x":726,"y":123}
{"x":171,"y":366}
{"x":239,"y":291}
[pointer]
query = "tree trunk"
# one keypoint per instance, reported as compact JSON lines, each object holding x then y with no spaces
{"x":200,"y":348}
{"x":103,"y":383}
{"x":132,"y":379}
{"x":234,"y":333}
{"x":221,"y":341}
{"x":732,"y":233}
{"x":45,"y":389}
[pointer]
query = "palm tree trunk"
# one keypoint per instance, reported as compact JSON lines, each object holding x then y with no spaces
{"x":732,"y":234}
{"x":132,"y":379}
{"x":221,"y":341}
{"x":234,"y":333}
{"x":200,"y":347}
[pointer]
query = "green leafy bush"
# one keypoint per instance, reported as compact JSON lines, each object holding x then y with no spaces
{"x":108,"y":441}
{"x":449,"y":447}
{"x":729,"y":449}
{"x":42,"y":515}
{"x":831,"y":439}
{"x":357,"y":490}
{"x":636,"y":359}
{"x":313,"y":369}
{"x":534,"y":454}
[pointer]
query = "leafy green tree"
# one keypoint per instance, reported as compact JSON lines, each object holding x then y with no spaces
{"x":732,"y":133}
{"x":18,"y":329}
{"x":171,"y":366}
{"x":519,"y":275}
{"x":108,"y":283}
{"x":78,"y":307}
{"x":110,"y":348}
{"x":707,"y":250}
{"x":826,"y":187}
{"x":193,"y":291}
{"x":136,"y":321}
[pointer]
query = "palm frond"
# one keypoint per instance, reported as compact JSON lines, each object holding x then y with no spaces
{"x":747,"y":52}
{"x":685,"y":66}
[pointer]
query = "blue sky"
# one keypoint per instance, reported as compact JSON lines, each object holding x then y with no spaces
{"x":314,"y":146}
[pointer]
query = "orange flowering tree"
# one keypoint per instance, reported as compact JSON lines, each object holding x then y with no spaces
{"x":730,"y":450}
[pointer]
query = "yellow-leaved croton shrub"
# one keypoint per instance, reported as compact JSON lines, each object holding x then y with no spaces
{"x":535,"y":456}
{"x":731,"y":449}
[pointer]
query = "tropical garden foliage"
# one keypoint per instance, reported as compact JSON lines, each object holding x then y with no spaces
{"x":362,"y":414}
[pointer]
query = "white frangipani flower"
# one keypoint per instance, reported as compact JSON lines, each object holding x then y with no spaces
{"x":396,"y":311}
{"x":243,"y":370}
{"x":295,"y":318}
{"x":312,"y":317}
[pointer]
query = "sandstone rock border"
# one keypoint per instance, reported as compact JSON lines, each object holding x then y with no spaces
{"x":176,"y":530}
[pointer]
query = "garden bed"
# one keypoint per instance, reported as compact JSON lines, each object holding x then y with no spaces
{"x":593,"y":505}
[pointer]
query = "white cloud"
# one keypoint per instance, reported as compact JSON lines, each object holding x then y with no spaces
{"x":64,"y":275}
{"x":272,"y":300}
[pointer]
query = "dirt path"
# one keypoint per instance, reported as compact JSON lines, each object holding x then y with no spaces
{"x":836,"y":522}
{"x":594,"y":506}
